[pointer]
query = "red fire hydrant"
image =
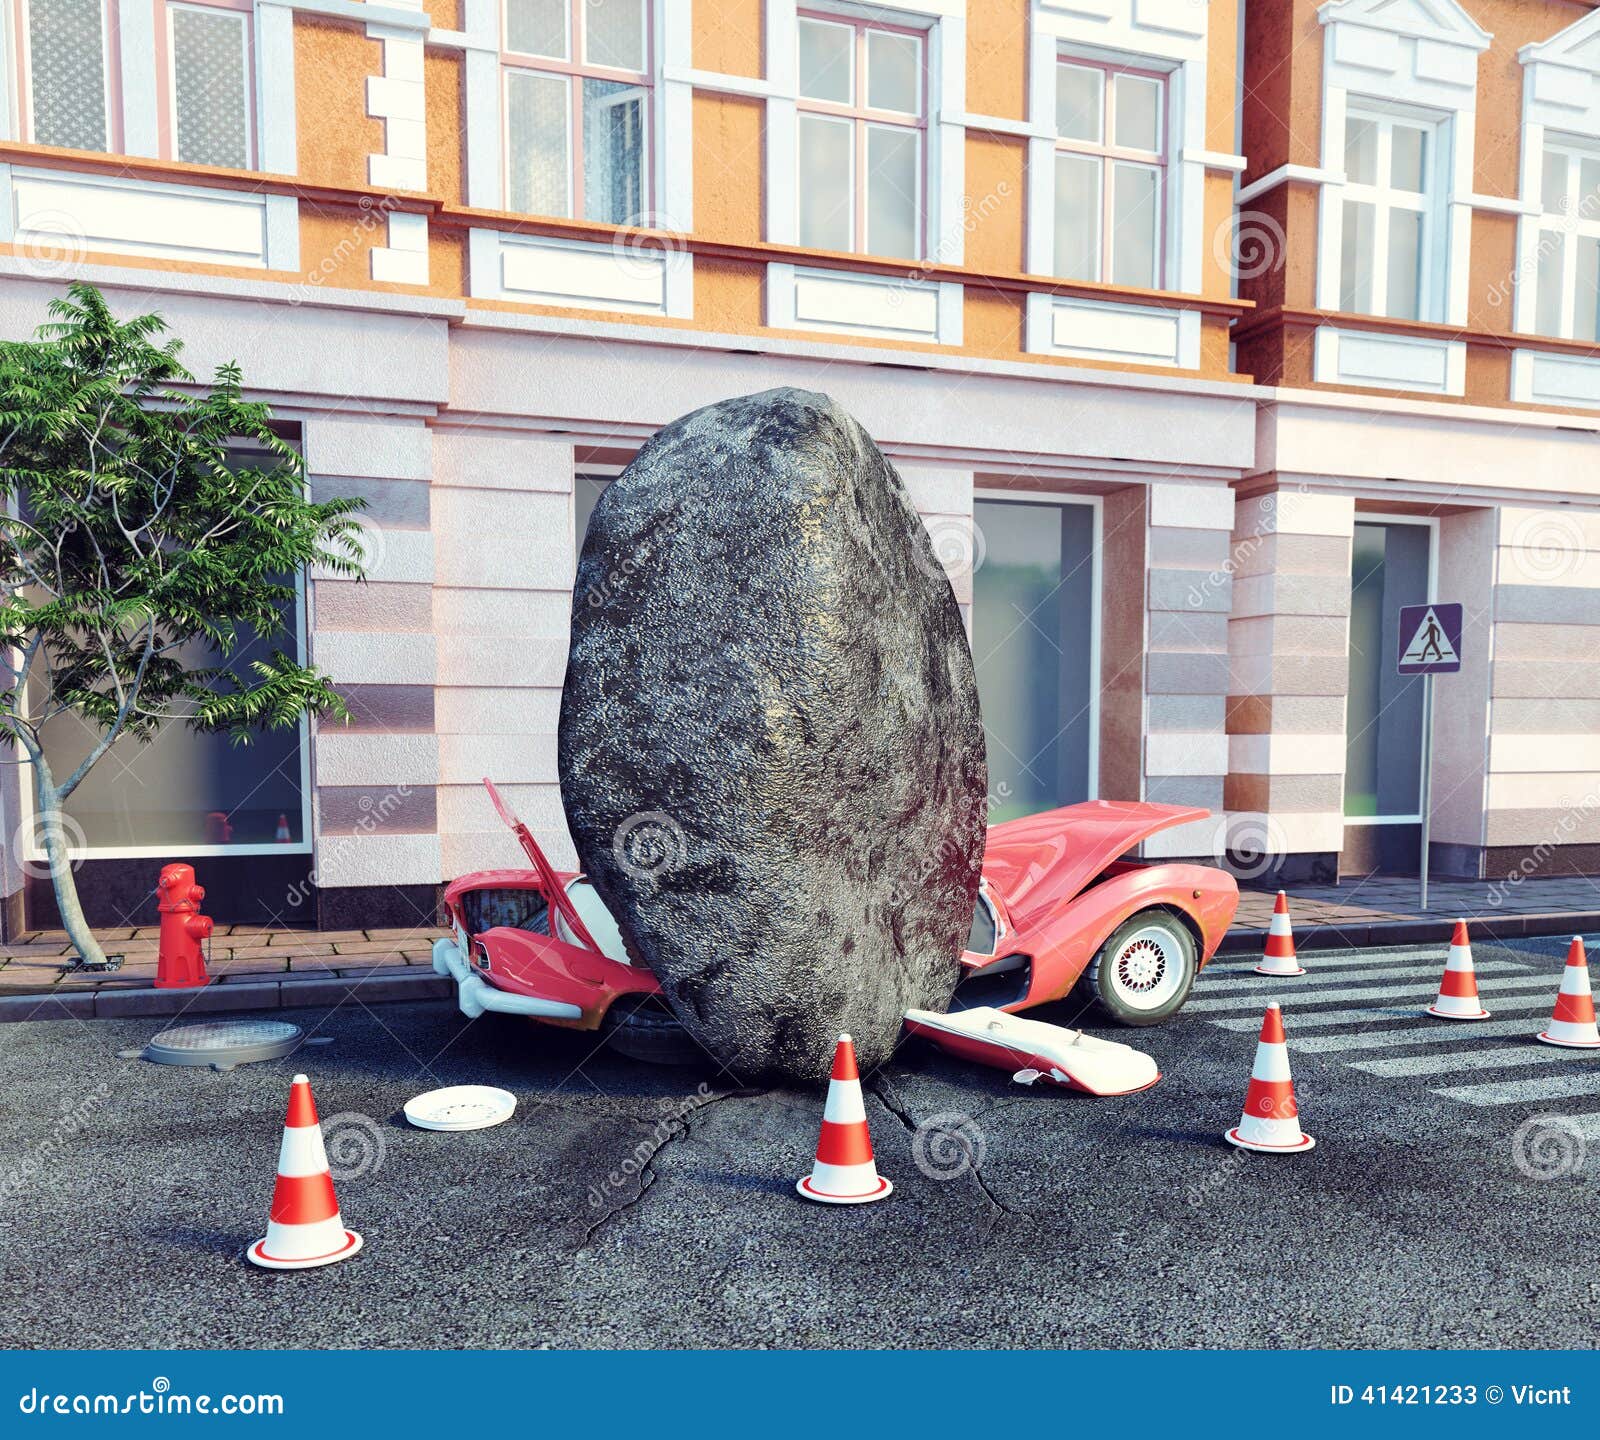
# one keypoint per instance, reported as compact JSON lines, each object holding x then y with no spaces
{"x":180,"y":962}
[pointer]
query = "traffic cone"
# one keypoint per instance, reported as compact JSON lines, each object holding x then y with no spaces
{"x":844,"y":1173}
{"x":1458,"y":990}
{"x":1573,"y":1024}
{"x":1270,"y":1122}
{"x":1279,"y":957}
{"x":303,"y":1226}
{"x":281,"y":834}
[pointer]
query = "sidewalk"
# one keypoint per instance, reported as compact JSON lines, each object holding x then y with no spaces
{"x":262,"y":969}
{"x":1383,"y":911}
{"x":253,"y":968}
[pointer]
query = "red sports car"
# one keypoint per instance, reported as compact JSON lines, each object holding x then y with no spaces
{"x":1059,"y":905}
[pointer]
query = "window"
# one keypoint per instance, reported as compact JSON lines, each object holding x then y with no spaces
{"x":577,"y":104}
{"x":1569,"y":243}
{"x":1034,"y":650}
{"x":1110,"y":168}
{"x":67,"y":64}
{"x":208,"y":118}
{"x":861,"y":133}
{"x":1388,"y":218}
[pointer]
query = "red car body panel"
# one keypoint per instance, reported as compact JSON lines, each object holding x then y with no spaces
{"x":1054,"y":882}
{"x":1059,"y":890}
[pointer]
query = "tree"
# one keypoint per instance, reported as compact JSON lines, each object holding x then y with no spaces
{"x":133,"y":540}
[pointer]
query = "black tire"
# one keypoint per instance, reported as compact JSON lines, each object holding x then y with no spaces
{"x":642,"y":1028}
{"x":1137,"y":959}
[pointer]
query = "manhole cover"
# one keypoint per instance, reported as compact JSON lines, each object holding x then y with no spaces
{"x":223,"y":1043}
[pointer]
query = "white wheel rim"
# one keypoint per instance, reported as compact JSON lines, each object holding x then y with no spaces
{"x":1148,"y":970}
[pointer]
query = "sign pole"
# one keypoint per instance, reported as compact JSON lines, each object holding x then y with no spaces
{"x":1434,"y":648}
{"x":1427,"y":787}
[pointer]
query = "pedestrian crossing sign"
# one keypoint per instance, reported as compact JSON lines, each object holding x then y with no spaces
{"x":1430,"y":639}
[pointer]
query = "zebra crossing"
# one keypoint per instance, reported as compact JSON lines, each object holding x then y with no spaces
{"x":1364,"y":1010}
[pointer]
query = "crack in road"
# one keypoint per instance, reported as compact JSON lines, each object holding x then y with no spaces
{"x":666,"y":1129}
{"x":880,"y":1087}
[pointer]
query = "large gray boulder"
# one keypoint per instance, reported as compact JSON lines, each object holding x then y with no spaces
{"x":771,"y":754}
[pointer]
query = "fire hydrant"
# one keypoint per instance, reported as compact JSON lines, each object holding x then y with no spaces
{"x":180,"y":962}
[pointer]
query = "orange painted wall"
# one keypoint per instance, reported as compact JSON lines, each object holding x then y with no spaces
{"x":332,"y":128}
{"x":729,"y":36}
{"x":997,"y":58}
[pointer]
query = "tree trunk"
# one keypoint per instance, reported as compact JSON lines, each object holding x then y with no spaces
{"x":54,"y":835}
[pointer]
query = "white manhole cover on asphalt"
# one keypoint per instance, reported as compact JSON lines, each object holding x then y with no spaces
{"x":224,"y":1043}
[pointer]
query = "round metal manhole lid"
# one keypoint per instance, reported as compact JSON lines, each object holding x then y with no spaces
{"x":224,"y":1043}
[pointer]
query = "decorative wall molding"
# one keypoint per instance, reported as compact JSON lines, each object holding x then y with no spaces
{"x":542,"y":270}
{"x":59,"y":213}
{"x":846,"y":303}
{"x":1307,"y":174}
{"x":1112,"y":333}
{"x":1389,"y":362}
{"x":1541,"y":378}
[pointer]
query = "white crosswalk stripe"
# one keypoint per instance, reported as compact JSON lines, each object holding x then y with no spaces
{"x":1390,"y":1037}
{"x":1429,"y":1032}
{"x":1526,"y":1092}
{"x":1253,"y":983}
{"x":1501,"y":1057}
{"x":1542,"y":998}
{"x":1286,"y":993}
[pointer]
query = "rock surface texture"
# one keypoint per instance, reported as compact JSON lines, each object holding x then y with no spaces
{"x":771,"y":754}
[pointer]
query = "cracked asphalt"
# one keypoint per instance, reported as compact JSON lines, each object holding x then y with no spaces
{"x":628,"y":1205}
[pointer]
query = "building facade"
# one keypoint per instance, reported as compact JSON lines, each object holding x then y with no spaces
{"x":1189,"y":386}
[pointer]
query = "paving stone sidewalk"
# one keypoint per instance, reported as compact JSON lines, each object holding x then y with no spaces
{"x":259,"y":968}
{"x":253,"y":968}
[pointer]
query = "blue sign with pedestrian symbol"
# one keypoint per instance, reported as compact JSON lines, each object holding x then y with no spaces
{"x":1430,"y":639}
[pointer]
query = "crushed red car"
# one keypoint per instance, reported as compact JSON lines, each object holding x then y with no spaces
{"x":1060,"y":905}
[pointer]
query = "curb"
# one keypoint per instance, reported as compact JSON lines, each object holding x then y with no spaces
{"x":133,"y":1003}
{"x":1360,"y":934}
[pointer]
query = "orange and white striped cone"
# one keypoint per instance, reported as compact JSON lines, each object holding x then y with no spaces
{"x":1573,"y":1024}
{"x":1271,"y":1121}
{"x":1458,"y":989}
{"x":1279,"y":958}
{"x":844,"y":1172}
{"x":303,"y":1227}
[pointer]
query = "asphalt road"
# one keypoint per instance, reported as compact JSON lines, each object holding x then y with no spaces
{"x":629,"y":1206}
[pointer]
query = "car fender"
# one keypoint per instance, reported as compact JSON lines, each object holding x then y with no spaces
{"x":1062,"y":948}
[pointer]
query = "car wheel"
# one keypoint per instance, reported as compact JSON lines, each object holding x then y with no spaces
{"x":642,"y":1028}
{"x":1145,"y":971}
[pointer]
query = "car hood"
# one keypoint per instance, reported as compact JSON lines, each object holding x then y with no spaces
{"x":1042,"y":861}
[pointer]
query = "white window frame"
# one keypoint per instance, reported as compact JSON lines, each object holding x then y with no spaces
{"x":1110,"y":155}
{"x":1385,"y":199}
{"x":572,"y":72}
{"x":169,"y":101}
{"x":1569,"y":224}
{"x":31,"y":853}
{"x":1096,"y":505}
{"x":1384,"y":517}
{"x":21,"y":72}
{"x":862,"y":119}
